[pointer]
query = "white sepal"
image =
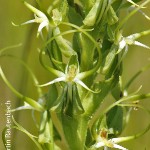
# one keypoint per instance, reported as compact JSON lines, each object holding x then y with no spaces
{"x":53,"y":81}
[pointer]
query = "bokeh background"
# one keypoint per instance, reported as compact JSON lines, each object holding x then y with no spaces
{"x":15,"y":11}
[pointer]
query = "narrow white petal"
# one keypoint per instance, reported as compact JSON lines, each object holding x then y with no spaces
{"x":117,"y":140}
{"x":140,"y":44}
{"x":30,"y":21}
{"x":120,"y":139}
{"x":130,"y":1}
{"x":21,"y":108}
{"x":83,"y":85}
{"x":53,"y":81}
{"x":42,"y":25}
{"x":119,"y":147}
{"x":122,"y":44}
{"x":99,"y":144}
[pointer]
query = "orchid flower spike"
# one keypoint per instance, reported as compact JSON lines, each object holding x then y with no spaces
{"x":131,"y":40}
{"x":71,"y":75}
{"x":102,"y":141}
{"x":40,"y":18}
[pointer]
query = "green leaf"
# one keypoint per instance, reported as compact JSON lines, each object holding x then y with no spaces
{"x":94,"y":103}
{"x":116,"y":92}
{"x":87,"y":5}
{"x":64,"y":8}
{"x":115,"y":119}
{"x":76,"y":45}
{"x":71,"y":103}
{"x":74,"y":17}
{"x":111,"y":16}
{"x":105,"y":4}
{"x":45,"y":131}
{"x":108,"y":60}
{"x":95,"y":100}
{"x":77,"y":105}
{"x":72,"y":127}
{"x":87,"y":52}
{"x":91,"y":17}
{"x":117,"y":5}
{"x":68,"y":128}
{"x":71,"y":2}
{"x":55,"y":55}
{"x":111,"y":32}
{"x":63,"y":44}
{"x":51,"y":96}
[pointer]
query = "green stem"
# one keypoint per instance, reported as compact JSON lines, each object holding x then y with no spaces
{"x":136,"y":75}
{"x":32,"y":137}
{"x":130,"y":98}
{"x":29,"y":70}
{"x":30,"y":101}
{"x":124,"y":99}
{"x":132,"y":137}
{"x":52,"y":136}
{"x":131,"y":14}
{"x":9,"y":47}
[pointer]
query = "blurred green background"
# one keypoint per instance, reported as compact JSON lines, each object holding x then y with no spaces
{"x":15,"y":11}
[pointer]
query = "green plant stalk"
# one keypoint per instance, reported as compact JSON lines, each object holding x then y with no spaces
{"x":128,"y":98}
{"x":30,"y":101}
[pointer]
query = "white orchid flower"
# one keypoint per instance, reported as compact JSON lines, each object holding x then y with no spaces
{"x":131,"y":40}
{"x":71,"y":75}
{"x":103,"y":141}
{"x":40,"y":18}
